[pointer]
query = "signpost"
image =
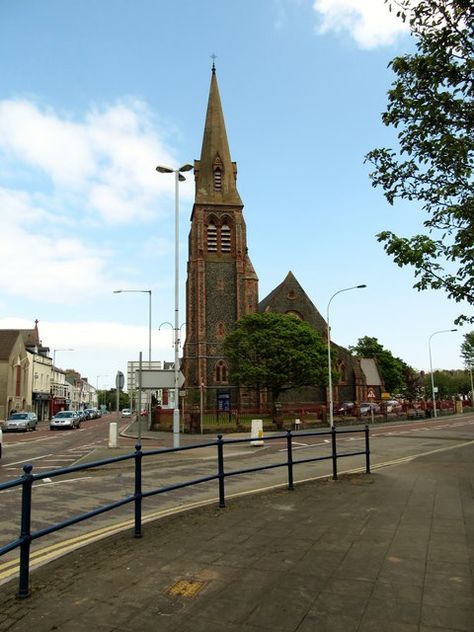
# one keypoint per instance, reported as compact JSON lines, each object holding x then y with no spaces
{"x":370,"y":396}
{"x":119,"y":384}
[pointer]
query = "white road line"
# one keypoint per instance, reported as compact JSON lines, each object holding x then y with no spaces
{"x":33,"y":459}
{"x":47,"y":482}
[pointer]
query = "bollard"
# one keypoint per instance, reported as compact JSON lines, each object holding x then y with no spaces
{"x":257,"y":432}
{"x":113,"y":434}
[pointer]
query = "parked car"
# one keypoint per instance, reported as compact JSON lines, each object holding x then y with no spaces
{"x":344,"y":409}
{"x":393,"y":406}
{"x":126,"y":412}
{"x":21,"y":421}
{"x":65,"y":419}
{"x":366,"y":408}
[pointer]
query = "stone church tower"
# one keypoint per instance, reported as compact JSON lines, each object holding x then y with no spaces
{"x":221,"y":282}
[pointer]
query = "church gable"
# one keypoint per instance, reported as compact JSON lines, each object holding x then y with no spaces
{"x":290,"y":298}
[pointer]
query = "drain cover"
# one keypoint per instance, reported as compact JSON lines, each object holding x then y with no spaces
{"x":185,"y":588}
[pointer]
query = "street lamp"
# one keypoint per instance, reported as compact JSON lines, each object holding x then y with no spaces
{"x":54,"y":354}
{"x":346,"y":289}
{"x":433,"y":394}
{"x":149,"y":342}
{"x":178,"y":178}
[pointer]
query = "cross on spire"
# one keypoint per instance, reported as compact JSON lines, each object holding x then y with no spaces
{"x":213,"y":57}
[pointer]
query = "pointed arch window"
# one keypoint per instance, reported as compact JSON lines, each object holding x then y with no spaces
{"x":18,"y":381}
{"x":221,"y":372}
{"x":220,"y":330}
{"x":225,"y":238}
{"x":217,"y":172}
{"x":217,"y":178}
{"x":211,"y":237}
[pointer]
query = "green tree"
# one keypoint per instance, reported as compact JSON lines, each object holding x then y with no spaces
{"x":450,"y":383}
{"x":430,"y":104}
{"x":277,"y":352}
{"x":467,"y":350}
{"x":393,"y":370}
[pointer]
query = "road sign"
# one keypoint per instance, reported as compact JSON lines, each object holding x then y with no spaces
{"x":371,"y":393}
{"x":156,"y":378}
{"x":119,"y":381}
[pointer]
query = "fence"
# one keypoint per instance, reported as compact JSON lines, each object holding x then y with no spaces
{"x":27,"y":536}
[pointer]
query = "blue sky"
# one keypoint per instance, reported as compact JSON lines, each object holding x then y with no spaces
{"x":94,"y":95}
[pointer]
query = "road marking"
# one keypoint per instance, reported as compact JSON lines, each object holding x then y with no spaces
{"x":46,"y":482}
{"x":24,"y":462}
{"x":49,"y":553}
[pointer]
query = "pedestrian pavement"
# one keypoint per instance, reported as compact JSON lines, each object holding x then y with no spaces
{"x":391,"y":551}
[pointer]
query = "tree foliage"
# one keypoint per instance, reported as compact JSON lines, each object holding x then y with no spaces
{"x":467,"y":350}
{"x":431,"y":105}
{"x":449,"y":383}
{"x":277,"y":352}
{"x":394,"y":372}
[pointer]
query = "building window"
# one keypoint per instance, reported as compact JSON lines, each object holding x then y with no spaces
{"x":225,"y":238}
{"x":217,"y":179}
{"x":295,"y":314}
{"x":18,"y":381}
{"x":221,"y":372}
{"x":211,"y":237}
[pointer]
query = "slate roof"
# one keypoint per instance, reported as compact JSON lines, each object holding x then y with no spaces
{"x":8,"y":338}
{"x":370,"y":370}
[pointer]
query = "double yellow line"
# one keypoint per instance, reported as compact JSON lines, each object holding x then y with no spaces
{"x":54,"y":551}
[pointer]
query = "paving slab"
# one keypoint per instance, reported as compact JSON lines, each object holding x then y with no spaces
{"x":389,"y":551}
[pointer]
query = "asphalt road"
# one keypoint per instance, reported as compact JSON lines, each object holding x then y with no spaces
{"x":60,"y":498}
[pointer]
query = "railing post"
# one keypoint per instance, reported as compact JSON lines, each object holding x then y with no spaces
{"x":367,"y":450}
{"x":334,"y":453}
{"x":25,"y":534}
{"x":290,"y":459}
{"x":220,"y":470}
{"x":138,"y":491}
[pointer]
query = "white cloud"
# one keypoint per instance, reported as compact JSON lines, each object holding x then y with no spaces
{"x":369,"y":22}
{"x":102,"y":162}
{"x":64,"y":179}
{"x":99,"y":348}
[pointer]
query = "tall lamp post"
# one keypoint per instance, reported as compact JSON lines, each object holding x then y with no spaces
{"x":149,"y":342}
{"x":346,"y":289}
{"x":178,"y":178}
{"x":433,"y":394}
{"x":54,"y":354}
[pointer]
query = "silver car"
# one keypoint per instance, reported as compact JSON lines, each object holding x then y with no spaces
{"x":21,"y":421}
{"x":65,"y":419}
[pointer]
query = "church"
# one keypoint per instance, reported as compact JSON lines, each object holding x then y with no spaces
{"x":222,"y":287}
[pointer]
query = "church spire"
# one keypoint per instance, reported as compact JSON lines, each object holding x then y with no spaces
{"x":215,"y":173}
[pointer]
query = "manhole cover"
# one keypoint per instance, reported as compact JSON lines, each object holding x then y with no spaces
{"x":185,"y":588}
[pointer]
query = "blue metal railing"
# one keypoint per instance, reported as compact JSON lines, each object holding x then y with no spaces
{"x":28,"y":479}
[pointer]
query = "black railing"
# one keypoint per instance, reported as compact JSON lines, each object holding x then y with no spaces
{"x":28,"y":479}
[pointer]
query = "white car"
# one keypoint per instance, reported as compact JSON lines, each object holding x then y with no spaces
{"x":21,"y":421}
{"x":126,"y":412}
{"x":65,"y":419}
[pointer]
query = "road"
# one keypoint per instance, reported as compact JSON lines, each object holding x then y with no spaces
{"x":59,"y":498}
